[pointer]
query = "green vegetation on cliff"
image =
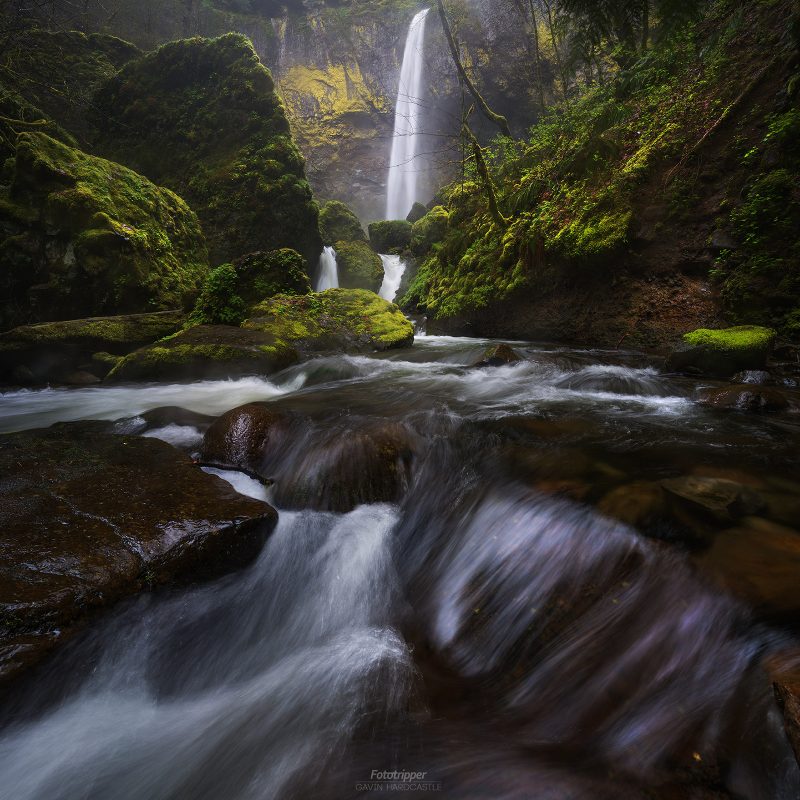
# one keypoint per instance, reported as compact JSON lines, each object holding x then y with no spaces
{"x":86,"y":236}
{"x":202,"y":117}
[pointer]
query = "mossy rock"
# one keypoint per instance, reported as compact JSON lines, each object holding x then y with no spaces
{"x":207,"y":352}
{"x":360,"y":267}
{"x":339,"y":320}
{"x":429,"y":230}
{"x":722,"y":353}
{"x":263,"y":275}
{"x":418,"y":211}
{"x":202,"y":117}
{"x":390,"y":235}
{"x":337,"y":223}
{"x":51,"y":350}
{"x":87,"y":237}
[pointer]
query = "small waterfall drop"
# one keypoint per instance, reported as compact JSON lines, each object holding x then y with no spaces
{"x":394,"y":268}
{"x":328,"y":274}
{"x":403,"y":172}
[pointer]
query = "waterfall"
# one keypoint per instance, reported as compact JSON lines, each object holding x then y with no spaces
{"x":328,"y":274}
{"x":402,"y":187}
{"x":394,"y":269}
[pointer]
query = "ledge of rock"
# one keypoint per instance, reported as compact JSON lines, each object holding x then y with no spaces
{"x":89,"y":518}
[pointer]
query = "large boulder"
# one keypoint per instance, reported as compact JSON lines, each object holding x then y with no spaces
{"x":339,"y":320}
{"x":722,"y":353}
{"x":262,"y":275}
{"x":84,"y":237}
{"x":360,"y":267}
{"x":89,"y":518}
{"x":429,"y":230}
{"x":337,"y":223}
{"x":50,"y":351}
{"x":389,"y":235}
{"x":202,"y":117}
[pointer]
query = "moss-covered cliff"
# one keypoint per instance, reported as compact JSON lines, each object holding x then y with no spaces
{"x":83,"y":236}
{"x":202,"y":117}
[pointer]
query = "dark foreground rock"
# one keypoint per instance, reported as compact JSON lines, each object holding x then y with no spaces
{"x":745,"y":397}
{"x":499,"y":355}
{"x":722,"y":353}
{"x":88,"y":518}
{"x":52,"y":351}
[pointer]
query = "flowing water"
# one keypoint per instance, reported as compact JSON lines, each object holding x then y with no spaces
{"x":394,"y":269}
{"x":403,"y":167}
{"x":501,"y":637}
{"x":328,"y":271}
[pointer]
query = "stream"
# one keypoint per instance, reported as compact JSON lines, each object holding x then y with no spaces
{"x":491,"y":632}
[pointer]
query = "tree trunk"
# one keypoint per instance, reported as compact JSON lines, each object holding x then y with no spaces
{"x":556,"y":46}
{"x":497,"y":119}
{"x":486,"y":177}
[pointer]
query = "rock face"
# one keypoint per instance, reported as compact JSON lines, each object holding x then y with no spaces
{"x":722,"y":353}
{"x":86,"y":237}
{"x":51,"y":350}
{"x":89,"y":518}
{"x":202,"y":117}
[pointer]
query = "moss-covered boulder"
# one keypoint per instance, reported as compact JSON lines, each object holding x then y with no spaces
{"x":429,"y":230}
{"x":360,"y":267}
{"x":279,"y":332}
{"x":722,"y":353}
{"x":85,"y":237}
{"x":337,"y":223}
{"x":390,"y":235}
{"x":202,"y":117}
{"x":263,"y":275}
{"x":339,"y":320}
{"x":418,"y":211}
{"x":50,"y":351}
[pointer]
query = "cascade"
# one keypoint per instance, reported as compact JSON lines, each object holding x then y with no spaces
{"x":394,"y":268}
{"x":403,"y":172}
{"x":328,"y":273}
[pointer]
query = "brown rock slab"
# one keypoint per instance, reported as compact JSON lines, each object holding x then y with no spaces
{"x":88,"y":518}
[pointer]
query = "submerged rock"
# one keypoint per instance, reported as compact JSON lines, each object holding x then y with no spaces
{"x":755,"y":377}
{"x":50,"y":351}
{"x":784,"y":672}
{"x":722,"y":353}
{"x":724,"y":500}
{"x":89,"y":518}
{"x":86,"y":237}
{"x":499,"y":355}
{"x":746,"y":397}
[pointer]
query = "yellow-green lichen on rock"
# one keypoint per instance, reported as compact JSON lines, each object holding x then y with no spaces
{"x":87,"y":236}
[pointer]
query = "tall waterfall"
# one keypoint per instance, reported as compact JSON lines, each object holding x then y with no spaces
{"x":328,"y":274}
{"x":403,"y":171}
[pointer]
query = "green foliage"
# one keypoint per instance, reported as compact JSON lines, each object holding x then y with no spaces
{"x":89,"y":237}
{"x":429,"y":230}
{"x":202,"y":117}
{"x":219,"y":302}
{"x":389,"y":235}
{"x":744,"y":337}
{"x":337,"y":223}
{"x":262,"y":275}
{"x":360,"y":267}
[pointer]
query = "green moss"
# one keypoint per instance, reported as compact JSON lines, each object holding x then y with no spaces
{"x":262,"y":275}
{"x":360,"y":267}
{"x":744,"y":337}
{"x":91,"y":237}
{"x":389,"y":235}
{"x":202,"y":117}
{"x":428,"y":230}
{"x":338,"y":223}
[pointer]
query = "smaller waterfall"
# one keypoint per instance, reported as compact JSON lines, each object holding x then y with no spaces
{"x":328,"y":273}
{"x":403,"y":171}
{"x":394,"y":268}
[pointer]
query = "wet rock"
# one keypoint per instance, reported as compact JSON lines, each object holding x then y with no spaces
{"x":89,"y":518}
{"x":245,"y":437}
{"x":175,"y":415}
{"x":499,"y":355}
{"x":730,"y":474}
{"x":338,"y":223}
{"x":761,"y":567}
{"x":50,"y":351}
{"x":746,"y":397}
{"x":755,"y":377}
{"x":360,"y":267}
{"x":636,"y":504}
{"x":81,"y":377}
{"x":784,"y":672}
{"x":389,"y":235}
{"x":418,"y":211}
{"x":347,"y":468}
{"x":722,"y":353}
{"x":722,"y":499}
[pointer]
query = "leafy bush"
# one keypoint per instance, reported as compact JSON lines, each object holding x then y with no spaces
{"x":219,"y":302}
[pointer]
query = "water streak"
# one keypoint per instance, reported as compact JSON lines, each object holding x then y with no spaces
{"x":328,"y":276}
{"x":394,"y":268}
